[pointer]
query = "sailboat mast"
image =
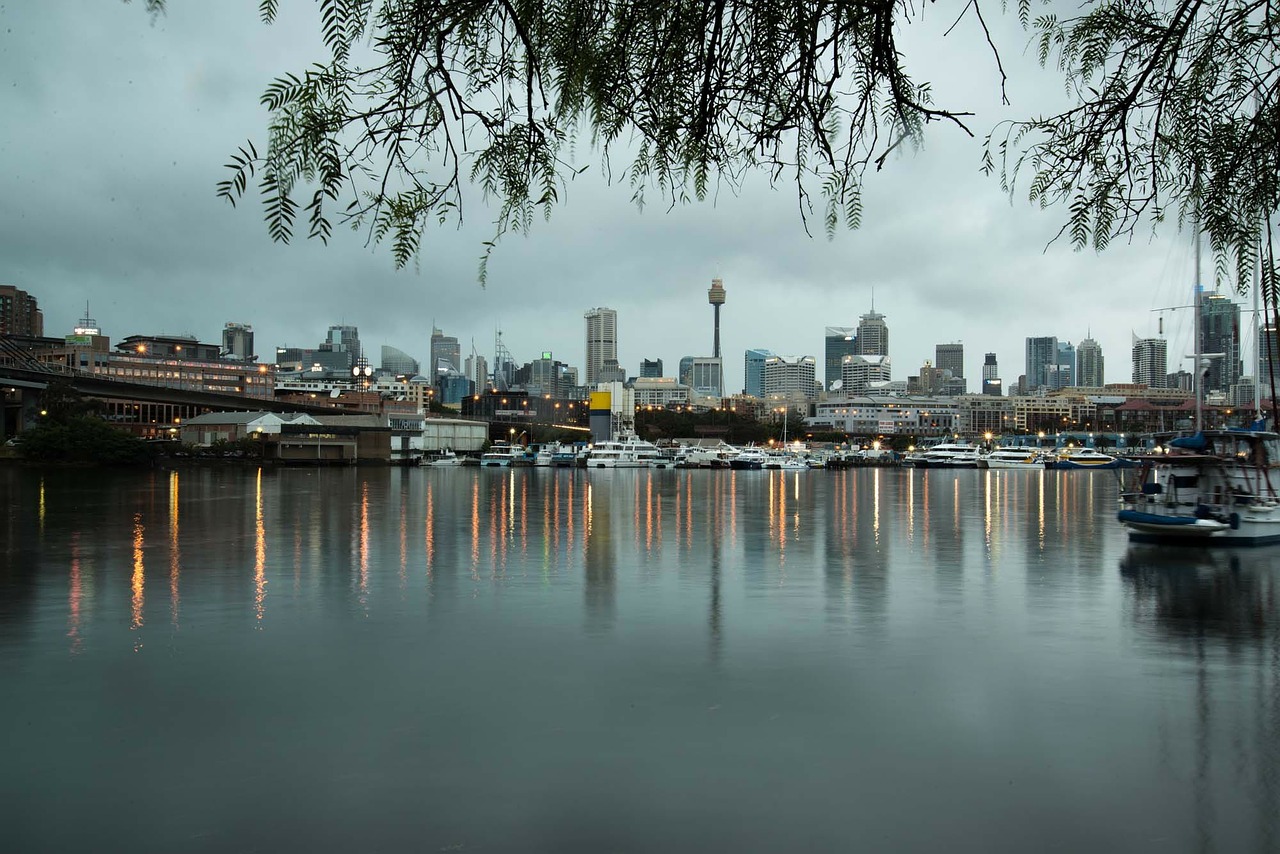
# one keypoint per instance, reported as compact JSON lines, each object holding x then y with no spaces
{"x":1195,"y":334}
{"x":1257,"y":336}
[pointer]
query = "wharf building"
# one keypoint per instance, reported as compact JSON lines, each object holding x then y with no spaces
{"x":601,"y":342}
{"x":839,"y":341}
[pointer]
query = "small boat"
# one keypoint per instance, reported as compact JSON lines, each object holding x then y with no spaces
{"x":441,"y":459}
{"x":748,"y":458}
{"x":503,"y":454}
{"x":1086,"y":458}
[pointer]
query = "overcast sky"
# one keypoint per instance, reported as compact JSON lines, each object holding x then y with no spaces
{"x":115,"y":130}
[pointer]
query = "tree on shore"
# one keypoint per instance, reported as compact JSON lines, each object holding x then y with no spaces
{"x":1175,"y":112}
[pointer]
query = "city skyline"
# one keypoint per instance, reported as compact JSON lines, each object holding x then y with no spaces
{"x":948,"y":257}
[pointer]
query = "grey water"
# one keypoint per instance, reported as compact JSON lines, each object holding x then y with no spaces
{"x":227,"y":659}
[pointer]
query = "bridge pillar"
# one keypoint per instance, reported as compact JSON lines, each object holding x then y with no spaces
{"x":29,"y":409}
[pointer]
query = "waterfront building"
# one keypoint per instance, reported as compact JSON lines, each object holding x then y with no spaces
{"x":754,"y":371}
{"x":1149,"y":362}
{"x":878,"y":415}
{"x":991,"y":382}
{"x":602,"y":342}
{"x":650,"y":368}
{"x":20,"y":313}
{"x":1220,"y":333}
{"x":175,"y":347}
{"x":660,"y":392}
{"x":873,"y":335}
{"x":950,"y":357}
{"x":397,"y":362}
{"x":446,"y":354}
{"x":1089,"y":363}
{"x":237,"y":342}
{"x":789,"y":377}
{"x":839,"y":341}
{"x":859,"y":373}
{"x":1042,"y":353}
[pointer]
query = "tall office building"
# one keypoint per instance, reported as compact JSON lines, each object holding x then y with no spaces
{"x":991,"y":383}
{"x":237,"y":342}
{"x":873,"y":335}
{"x":1220,"y":333}
{"x":19,"y":313}
{"x":1089,"y":364}
{"x":1150,"y":360}
{"x":840,"y":341}
{"x":1062,"y":373}
{"x":860,"y":372}
{"x":950,"y":357}
{"x":1041,"y":354}
{"x":789,"y":376}
{"x":477,"y":371}
{"x":446,"y":353}
{"x":1268,"y":361}
{"x":754,"y":371}
{"x":344,"y":339}
{"x":602,"y":341}
{"x":398,"y":363}
{"x":650,"y":368}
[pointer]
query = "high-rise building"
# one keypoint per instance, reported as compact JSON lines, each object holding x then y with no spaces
{"x":873,"y":335}
{"x":344,"y":339}
{"x":950,"y":357}
{"x":1041,"y":353}
{"x":237,"y":342}
{"x":1150,"y":360}
{"x":840,"y":341}
{"x":398,"y":363}
{"x":602,"y":341}
{"x":446,"y":353}
{"x":650,"y":368}
{"x":753,"y":371}
{"x":1220,"y":333}
{"x":1089,"y":364}
{"x":19,"y":313}
{"x":477,"y":371}
{"x":789,"y":376}
{"x":715,"y":296}
{"x":1268,"y":361}
{"x":1062,"y":373}
{"x":703,"y":374}
{"x":858,"y":373}
{"x":991,"y":383}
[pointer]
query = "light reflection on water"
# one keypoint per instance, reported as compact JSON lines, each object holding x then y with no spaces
{"x":968,"y":660}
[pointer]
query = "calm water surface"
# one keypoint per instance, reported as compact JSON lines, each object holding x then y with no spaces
{"x":537,"y":660}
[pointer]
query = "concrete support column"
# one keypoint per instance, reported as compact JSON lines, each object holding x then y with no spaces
{"x":29,"y":409}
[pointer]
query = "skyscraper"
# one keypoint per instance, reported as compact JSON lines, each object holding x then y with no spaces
{"x":754,"y":371}
{"x":950,"y":357}
{"x":602,"y":341}
{"x":840,"y":341}
{"x":19,"y":313}
{"x":1268,"y":360}
{"x":1150,"y":358}
{"x":991,"y":383}
{"x":789,"y":376}
{"x":446,"y":353}
{"x":1062,"y":373}
{"x":345,"y":340}
{"x":398,"y":363}
{"x":237,"y":342}
{"x":650,"y":367}
{"x":859,"y":372}
{"x":1220,"y":333}
{"x":1089,"y":364}
{"x":1041,"y":353}
{"x":873,"y":335}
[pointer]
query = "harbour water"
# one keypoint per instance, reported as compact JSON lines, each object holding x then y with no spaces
{"x":219,"y":659}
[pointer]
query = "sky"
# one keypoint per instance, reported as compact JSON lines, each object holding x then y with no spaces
{"x":116,"y":127}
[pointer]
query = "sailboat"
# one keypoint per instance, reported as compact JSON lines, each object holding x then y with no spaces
{"x":1210,"y":487}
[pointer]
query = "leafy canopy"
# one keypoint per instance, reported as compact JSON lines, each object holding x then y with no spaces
{"x":1175,"y":109}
